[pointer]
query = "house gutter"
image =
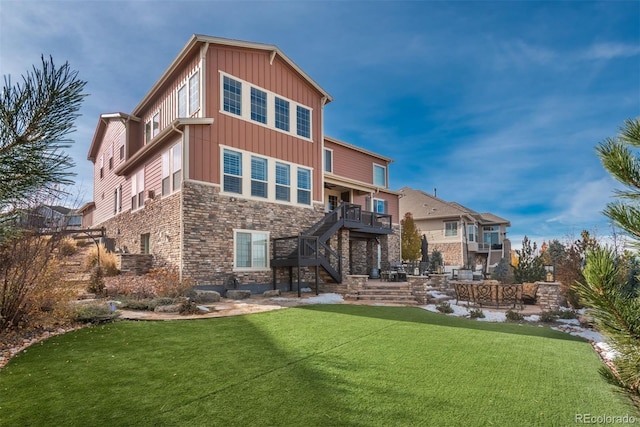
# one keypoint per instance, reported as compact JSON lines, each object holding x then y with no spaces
{"x":181,"y":240}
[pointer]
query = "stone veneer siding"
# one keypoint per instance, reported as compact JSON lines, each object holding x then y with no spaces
{"x":450,"y":252}
{"x":160,"y":218}
{"x":209,"y":220}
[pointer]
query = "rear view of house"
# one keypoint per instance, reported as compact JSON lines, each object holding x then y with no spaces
{"x":224,"y":161}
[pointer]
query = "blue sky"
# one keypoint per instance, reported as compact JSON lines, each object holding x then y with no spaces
{"x":498,"y":105}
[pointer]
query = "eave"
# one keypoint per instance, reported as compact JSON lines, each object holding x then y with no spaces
{"x":101,"y":127}
{"x":198,"y":39}
{"x":359,"y":149}
{"x":356,"y":185}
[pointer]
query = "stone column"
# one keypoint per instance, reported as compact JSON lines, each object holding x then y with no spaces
{"x":343,"y":250}
{"x":548,"y":295}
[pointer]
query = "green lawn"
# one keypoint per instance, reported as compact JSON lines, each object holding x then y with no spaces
{"x":321,"y":365}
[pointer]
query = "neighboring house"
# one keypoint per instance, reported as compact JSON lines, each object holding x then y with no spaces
{"x":463,"y":236}
{"x":224,"y":158}
{"x":51,"y":218}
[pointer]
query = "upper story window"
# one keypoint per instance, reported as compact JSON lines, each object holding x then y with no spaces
{"x":232,"y":96}
{"x":111,"y":157}
{"x":117,"y":203}
{"x":232,"y":171}
{"x":182,"y":101}
{"x":472,"y":234}
{"x":283,"y":182}
{"x":258,"y":105}
{"x":451,"y":228}
{"x":258,"y":177}
{"x":379,"y":175}
{"x":194,"y":93}
{"x":171,"y":169}
{"x":328,"y":160}
{"x":101,"y":165}
{"x":265,"y":178}
{"x":282,"y":114}
{"x":121,"y":146}
{"x":379,"y":206}
{"x":137,"y":190}
{"x":303,"y":122}
{"x":304,"y":186}
{"x":152,"y":127}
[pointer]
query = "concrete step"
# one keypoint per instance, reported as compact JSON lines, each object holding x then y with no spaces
{"x":384,"y":292}
{"x":387,"y":285}
{"x":388,"y":299}
{"x":380,"y":297}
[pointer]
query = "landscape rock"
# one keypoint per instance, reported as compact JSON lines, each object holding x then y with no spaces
{"x":173,"y":308}
{"x":207,"y":296}
{"x":238,"y":294}
{"x":271,"y":293}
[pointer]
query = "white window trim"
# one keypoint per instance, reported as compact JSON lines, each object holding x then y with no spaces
{"x":135,"y":190}
{"x":267,"y":266}
{"x":245,"y":108}
{"x":445,"y":228}
{"x":374,"y":174}
{"x":271,"y":179}
{"x":324,"y":160}
{"x":170,"y":155}
{"x":375,"y":202}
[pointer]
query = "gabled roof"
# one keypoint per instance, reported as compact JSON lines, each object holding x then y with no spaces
{"x":425,"y":206}
{"x":360,"y":149}
{"x":197,"y":39}
{"x":101,"y":127}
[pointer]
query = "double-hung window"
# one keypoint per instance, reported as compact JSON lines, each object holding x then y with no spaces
{"x":451,"y":228}
{"x":379,"y":206}
{"x":472,"y":233}
{"x":171,"y":168}
{"x":283,"y":182}
{"x":258,"y":105}
{"x":137,"y":190}
{"x":117,"y":203}
{"x":304,"y":186}
{"x":303,"y":123}
{"x":258,"y":177}
{"x":182,"y":101}
{"x":379,"y":175}
{"x":232,"y":96}
{"x":194,"y":93}
{"x":232,"y":172}
{"x":282,"y":114}
{"x":101,"y":165}
{"x":251,"y":249}
{"x":328,"y":160}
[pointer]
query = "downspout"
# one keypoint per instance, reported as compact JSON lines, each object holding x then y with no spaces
{"x":181,"y":240}
{"x":323,"y":101}
{"x":203,"y":87}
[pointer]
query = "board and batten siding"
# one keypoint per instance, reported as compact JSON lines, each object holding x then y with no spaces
{"x":353,"y":164}
{"x":166,"y":101}
{"x":253,"y":67}
{"x":103,"y":188}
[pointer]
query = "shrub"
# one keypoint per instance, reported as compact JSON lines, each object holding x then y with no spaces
{"x":147,"y":304}
{"x":96,"y":281}
{"x":108,"y":260}
{"x":476,"y":313}
{"x":548,"y":317}
{"x":32,"y":295}
{"x":514,"y":316}
{"x":444,"y":307}
{"x":566,"y":314}
{"x":167,"y":283}
{"x":68,"y":246}
{"x":95,"y":313}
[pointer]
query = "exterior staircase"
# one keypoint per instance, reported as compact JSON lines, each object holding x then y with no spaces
{"x":386,"y":293}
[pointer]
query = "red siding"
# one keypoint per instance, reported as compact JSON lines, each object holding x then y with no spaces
{"x":253,"y":67}
{"x":353,"y":164}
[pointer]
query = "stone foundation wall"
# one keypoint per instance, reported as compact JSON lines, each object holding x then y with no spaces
{"x":451,"y":254}
{"x":160,"y":218}
{"x":134,"y":263}
{"x":548,"y":295}
{"x":209,"y":221}
{"x":418,"y":286}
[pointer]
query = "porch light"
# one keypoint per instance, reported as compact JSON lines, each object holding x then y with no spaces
{"x":550,"y":273}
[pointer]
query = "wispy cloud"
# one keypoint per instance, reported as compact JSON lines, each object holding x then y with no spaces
{"x":611,"y":51}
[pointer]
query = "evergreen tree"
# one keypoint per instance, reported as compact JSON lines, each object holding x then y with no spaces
{"x":36,"y":116}
{"x":411,"y":238}
{"x":530,"y":267}
{"x":615,"y":302}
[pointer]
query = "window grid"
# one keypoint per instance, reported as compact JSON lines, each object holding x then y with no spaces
{"x":251,"y":249}
{"x":304,"y":186}
{"x":232,"y":96}
{"x":283,"y":182}
{"x":194,"y":93}
{"x":258,"y":105}
{"x":450,"y":229}
{"x":303,"y":123}
{"x":282,"y":114}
